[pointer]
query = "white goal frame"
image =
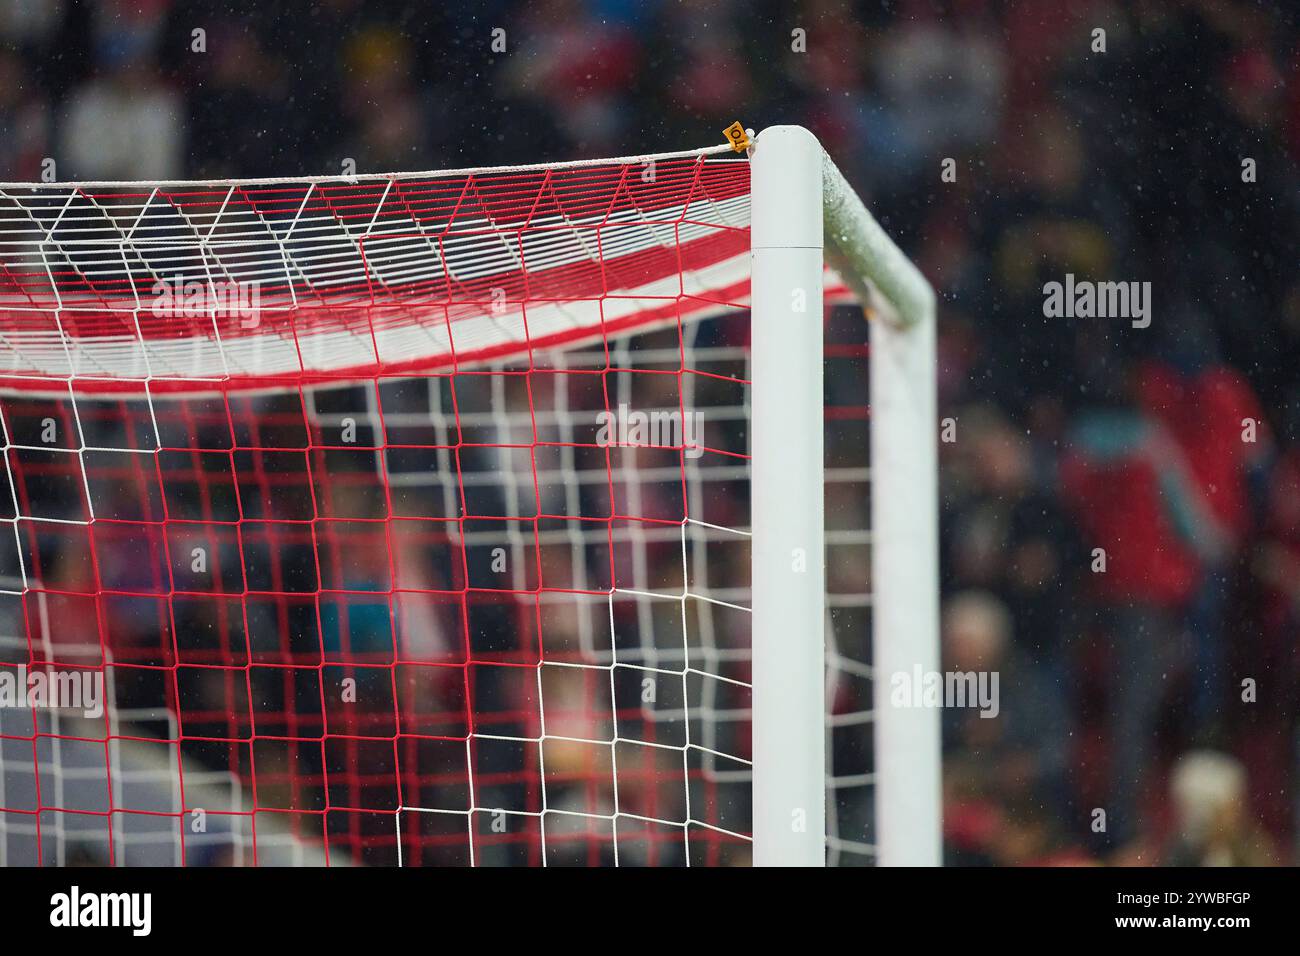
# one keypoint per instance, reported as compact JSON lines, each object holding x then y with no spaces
{"x":802,"y":209}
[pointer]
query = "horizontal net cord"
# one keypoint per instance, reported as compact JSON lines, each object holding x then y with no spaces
{"x":376,"y":177}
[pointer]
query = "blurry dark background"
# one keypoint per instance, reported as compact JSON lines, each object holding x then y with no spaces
{"x":1121,"y":691}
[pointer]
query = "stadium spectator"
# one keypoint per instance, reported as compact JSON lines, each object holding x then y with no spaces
{"x":1212,"y":823}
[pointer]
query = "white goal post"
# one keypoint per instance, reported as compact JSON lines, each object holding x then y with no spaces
{"x":802,"y":207}
{"x":314,"y":475}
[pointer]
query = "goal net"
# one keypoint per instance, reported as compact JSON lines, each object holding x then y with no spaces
{"x":414,"y":519}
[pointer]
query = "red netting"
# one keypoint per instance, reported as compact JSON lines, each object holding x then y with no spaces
{"x":197,"y":287}
{"x":369,"y":616}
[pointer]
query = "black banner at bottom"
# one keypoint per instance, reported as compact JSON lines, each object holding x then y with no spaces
{"x":436,"y":906}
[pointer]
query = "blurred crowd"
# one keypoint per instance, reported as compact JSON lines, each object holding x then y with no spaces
{"x":1121,"y":505}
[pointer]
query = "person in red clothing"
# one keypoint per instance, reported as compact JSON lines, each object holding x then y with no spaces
{"x":1150,"y":533}
{"x":1213,"y":415}
{"x":1137,"y":496}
